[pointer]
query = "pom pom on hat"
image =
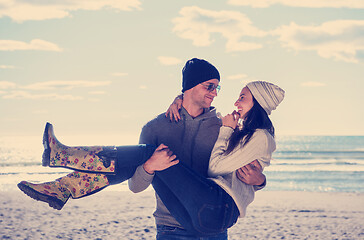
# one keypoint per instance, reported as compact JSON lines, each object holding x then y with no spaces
{"x":268,"y":95}
{"x":197,"y":71}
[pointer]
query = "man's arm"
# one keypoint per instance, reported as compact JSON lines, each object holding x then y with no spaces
{"x":141,"y":178}
{"x":161,"y":159}
{"x":252,"y":174}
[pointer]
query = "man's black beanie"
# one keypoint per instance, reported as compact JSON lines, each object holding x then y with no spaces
{"x":197,"y":71}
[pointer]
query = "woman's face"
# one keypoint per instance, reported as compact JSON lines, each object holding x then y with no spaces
{"x":244,"y":102}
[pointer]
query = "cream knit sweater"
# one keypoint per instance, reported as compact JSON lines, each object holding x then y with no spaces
{"x":222,"y":168}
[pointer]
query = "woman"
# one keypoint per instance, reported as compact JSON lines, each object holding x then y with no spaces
{"x":216,"y":203}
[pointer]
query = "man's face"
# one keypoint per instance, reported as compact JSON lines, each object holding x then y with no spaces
{"x":200,"y":94}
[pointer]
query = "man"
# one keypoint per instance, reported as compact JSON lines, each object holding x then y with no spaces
{"x":191,"y":139}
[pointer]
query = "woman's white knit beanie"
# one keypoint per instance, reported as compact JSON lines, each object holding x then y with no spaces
{"x":267,"y":94}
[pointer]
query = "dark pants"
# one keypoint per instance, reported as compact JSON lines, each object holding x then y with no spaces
{"x":201,"y":206}
{"x":175,"y":233}
{"x":128,"y":158}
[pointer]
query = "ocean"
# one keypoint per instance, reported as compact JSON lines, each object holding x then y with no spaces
{"x":300,"y":163}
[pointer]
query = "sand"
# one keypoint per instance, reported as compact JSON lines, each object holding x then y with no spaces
{"x":124,"y":215}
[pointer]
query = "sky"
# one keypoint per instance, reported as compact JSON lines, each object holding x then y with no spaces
{"x":107,"y":67}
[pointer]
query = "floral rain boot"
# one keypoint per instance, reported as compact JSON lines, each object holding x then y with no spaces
{"x":50,"y":192}
{"x":86,"y":159}
{"x":96,"y":159}
{"x":56,"y":193}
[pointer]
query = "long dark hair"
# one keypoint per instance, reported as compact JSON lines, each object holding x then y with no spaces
{"x":256,"y":118}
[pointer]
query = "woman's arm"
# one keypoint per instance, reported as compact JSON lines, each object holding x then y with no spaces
{"x":259,"y":147}
{"x":173,"y":109}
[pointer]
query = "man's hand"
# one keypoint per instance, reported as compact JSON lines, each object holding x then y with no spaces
{"x":251,"y":174}
{"x":161,"y":159}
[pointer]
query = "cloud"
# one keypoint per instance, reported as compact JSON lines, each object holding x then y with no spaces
{"x":312,"y":84}
{"x":27,"y":91}
{"x":20,"y":10}
{"x":7,"y":85}
{"x":65,"y":85}
{"x":199,"y":25}
{"x":48,"y":96}
{"x":6,"y":67}
{"x":119,"y":74}
{"x":169,"y":60}
{"x":300,"y":3}
{"x":341,"y":40}
{"x":35,"y":44}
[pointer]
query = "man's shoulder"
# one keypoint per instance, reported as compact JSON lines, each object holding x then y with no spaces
{"x":157,"y":120}
{"x":154,"y":128}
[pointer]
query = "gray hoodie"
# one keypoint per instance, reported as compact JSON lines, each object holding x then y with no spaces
{"x":190,"y":139}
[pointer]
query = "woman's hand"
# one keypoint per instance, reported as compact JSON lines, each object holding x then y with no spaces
{"x":231,"y":120}
{"x":161,"y":159}
{"x":173,"y":110}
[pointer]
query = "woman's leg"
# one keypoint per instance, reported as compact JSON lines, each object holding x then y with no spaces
{"x":83,"y":158}
{"x":93,"y":159}
{"x":83,"y":183}
{"x":56,"y":193}
{"x":201,"y":204}
{"x":96,"y":167}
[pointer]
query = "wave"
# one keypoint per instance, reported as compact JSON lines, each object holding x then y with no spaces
{"x":303,"y":163}
{"x":32,"y":169}
{"x":315,"y":161}
{"x":315,"y":168}
{"x":328,"y":151}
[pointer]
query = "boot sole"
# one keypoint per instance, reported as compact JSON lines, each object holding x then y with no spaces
{"x":52,"y":201}
{"x":47,"y":150}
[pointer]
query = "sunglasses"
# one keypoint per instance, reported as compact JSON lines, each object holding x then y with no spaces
{"x":211,"y":87}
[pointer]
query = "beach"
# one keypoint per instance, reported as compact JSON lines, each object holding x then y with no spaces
{"x":125,"y":215}
{"x":314,"y":191}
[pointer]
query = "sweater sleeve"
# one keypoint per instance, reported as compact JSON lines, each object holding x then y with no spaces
{"x":259,"y":147}
{"x":141,"y":179}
